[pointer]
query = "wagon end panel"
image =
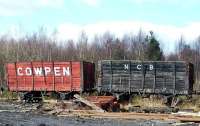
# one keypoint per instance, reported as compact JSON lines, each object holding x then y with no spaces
{"x":99,"y":76}
{"x":88,"y":76}
{"x":191,"y":77}
{"x":11,"y":76}
{"x":105,"y":76}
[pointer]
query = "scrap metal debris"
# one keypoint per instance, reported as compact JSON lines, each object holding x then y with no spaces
{"x":89,"y":103}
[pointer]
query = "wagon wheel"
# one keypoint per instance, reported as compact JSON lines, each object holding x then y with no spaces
{"x":62,"y":96}
{"x":43,"y":94}
{"x":20,"y":96}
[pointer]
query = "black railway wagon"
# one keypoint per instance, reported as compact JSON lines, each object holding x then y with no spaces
{"x":156,"y":77}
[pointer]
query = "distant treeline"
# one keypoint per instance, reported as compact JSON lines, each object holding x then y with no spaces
{"x":141,"y":46}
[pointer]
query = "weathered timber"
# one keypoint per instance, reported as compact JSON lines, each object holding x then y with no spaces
{"x":165,"y":77}
{"x":85,"y":101}
{"x":133,"y":115}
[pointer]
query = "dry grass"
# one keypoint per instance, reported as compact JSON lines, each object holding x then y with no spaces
{"x":185,"y":103}
{"x":148,"y":102}
{"x":192,"y":103}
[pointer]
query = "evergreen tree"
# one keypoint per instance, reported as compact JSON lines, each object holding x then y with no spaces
{"x":154,"y":51}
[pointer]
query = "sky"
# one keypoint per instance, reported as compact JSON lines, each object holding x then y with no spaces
{"x":169,"y":19}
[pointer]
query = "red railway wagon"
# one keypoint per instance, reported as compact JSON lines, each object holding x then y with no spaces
{"x":50,"y":76}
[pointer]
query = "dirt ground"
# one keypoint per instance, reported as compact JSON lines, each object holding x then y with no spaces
{"x":17,"y":114}
{"x":28,"y":119}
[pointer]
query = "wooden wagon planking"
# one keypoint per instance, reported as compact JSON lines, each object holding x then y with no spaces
{"x":50,"y":76}
{"x":163,"y":77}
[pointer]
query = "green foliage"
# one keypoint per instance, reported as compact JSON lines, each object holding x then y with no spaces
{"x":8,"y":95}
{"x":154,"y":51}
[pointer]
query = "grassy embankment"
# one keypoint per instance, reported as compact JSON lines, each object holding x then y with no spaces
{"x":184,"y":102}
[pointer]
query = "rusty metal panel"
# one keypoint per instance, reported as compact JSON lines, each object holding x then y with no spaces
{"x":108,"y":103}
{"x":101,"y":99}
{"x":45,"y":76}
